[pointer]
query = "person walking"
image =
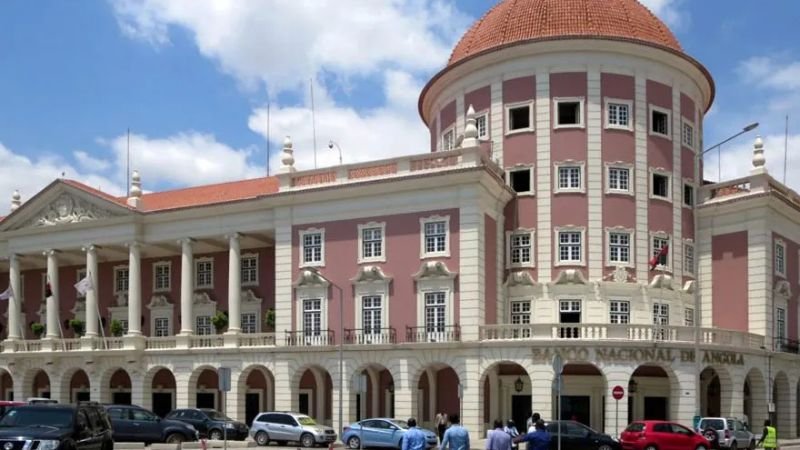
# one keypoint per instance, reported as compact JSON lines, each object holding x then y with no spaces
{"x":535,"y":417}
{"x":511,"y":431}
{"x":441,"y":425}
{"x":498,"y":439}
{"x":537,"y":440}
{"x":414,"y":438}
{"x":769,"y":436}
{"x":456,"y":437}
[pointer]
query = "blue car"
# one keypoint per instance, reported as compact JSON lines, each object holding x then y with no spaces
{"x":380,"y":432}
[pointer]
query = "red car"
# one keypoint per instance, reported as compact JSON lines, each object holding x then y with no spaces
{"x":661,"y":435}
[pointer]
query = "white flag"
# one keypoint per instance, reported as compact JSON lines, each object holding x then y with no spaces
{"x":7,"y":294}
{"x":84,"y":285}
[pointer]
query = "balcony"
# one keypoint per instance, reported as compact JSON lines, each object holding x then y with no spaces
{"x":785,"y":345}
{"x":257,"y":340}
{"x":448,"y":333}
{"x":315,"y":338}
{"x":361,"y":336}
{"x":207,"y":341}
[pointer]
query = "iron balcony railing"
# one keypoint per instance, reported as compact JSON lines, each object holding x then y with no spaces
{"x":787,"y":345}
{"x":440,"y":333}
{"x":310,"y":338}
{"x":366,"y":336}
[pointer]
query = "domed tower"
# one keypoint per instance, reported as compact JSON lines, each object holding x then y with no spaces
{"x":595,"y":113}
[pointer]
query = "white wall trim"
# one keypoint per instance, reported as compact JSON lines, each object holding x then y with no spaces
{"x":369,"y":225}
{"x":581,"y":101}
{"x":301,"y":246}
{"x":557,"y":165}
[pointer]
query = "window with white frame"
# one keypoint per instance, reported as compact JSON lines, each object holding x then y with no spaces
{"x":124,"y":324}
{"x":687,"y":134}
{"x":312,"y":317}
{"x":248,"y":266}
{"x":659,"y":121}
{"x":569,"y":178}
{"x":121,"y":279}
{"x":780,"y":324}
{"x":161,"y":276}
{"x":449,"y":139}
{"x":688,"y":257}
{"x":372,"y":242}
{"x":569,"y":112}
{"x":660,"y":185}
{"x":660,"y":314}
{"x":520,"y":312}
{"x":619,"y":248}
{"x":435,"y":236}
{"x":619,"y":311}
{"x":161,"y":327}
{"x":204,"y":273}
{"x":619,"y":179}
{"x":80,"y":274}
{"x":688,"y":317}
{"x":203,"y":325}
{"x":249,"y":323}
{"x":482,"y":124}
{"x":569,"y":312}
{"x":371,"y":309}
{"x":570,"y":247}
{"x":520,"y":249}
{"x":688,"y":194}
{"x":519,"y":117}
{"x":313,"y":247}
{"x":435,"y":312}
{"x":618,"y":114}
{"x":780,"y":258}
{"x":520,"y":179}
{"x":658,"y":242}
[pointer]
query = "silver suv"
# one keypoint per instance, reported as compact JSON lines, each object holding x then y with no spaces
{"x":283,"y":427}
{"x":732,"y":433}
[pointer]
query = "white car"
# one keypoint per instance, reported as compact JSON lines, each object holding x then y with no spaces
{"x":733,"y":434}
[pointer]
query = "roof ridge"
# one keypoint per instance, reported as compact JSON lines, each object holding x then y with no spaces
{"x":200,"y":186}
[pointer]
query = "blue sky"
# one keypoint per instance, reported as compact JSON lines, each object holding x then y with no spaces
{"x":192,"y":81}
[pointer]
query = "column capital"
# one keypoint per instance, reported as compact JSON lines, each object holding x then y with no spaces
{"x":233,"y":236}
{"x":90,"y":248}
{"x":186,"y":241}
{"x":51,"y":252}
{"x":133,"y":244}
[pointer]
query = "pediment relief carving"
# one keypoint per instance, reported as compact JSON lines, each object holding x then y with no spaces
{"x":433,"y":269}
{"x":311,"y":277}
{"x":689,"y":286}
{"x":248,"y":297}
{"x":370,"y":274}
{"x":520,"y":279}
{"x":67,"y":208}
{"x":661,"y":281}
{"x":159,"y":301}
{"x":783,"y":289}
{"x":570,"y":276}
{"x":202,"y":298}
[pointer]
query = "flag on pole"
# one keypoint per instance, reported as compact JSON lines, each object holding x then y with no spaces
{"x":84,"y":285}
{"x":48,"y":292}
{"x":657,"y":258}
{"x":7,"y":294}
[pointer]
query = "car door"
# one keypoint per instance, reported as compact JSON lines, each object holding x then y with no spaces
{"x":682,"y":437}
{"x":120,"y":424}
{"x":291,"y":428}
{"x":662,"y":436}
{"x":89,"y":433}
{"x":196,"y":419}
{"x":145,"y":425}
{"x":741,"y":433}
{"x":279,"y":427}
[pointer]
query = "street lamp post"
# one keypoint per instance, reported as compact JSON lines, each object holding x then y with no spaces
{"x":331,"y":144}
{"x":750,"y":127}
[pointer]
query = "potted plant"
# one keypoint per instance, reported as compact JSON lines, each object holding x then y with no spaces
{"x":220,"y":321}
{"x":116,"y":328}
{"x":269,"y":319}
{"x":78,"y":327}
{"x":37,"y":329}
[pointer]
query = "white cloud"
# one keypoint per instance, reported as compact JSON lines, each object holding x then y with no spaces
{"x":669,"y":11}
{"x":767,"y":72}
{"x":89,"y":162}
{"x":737,"y":160}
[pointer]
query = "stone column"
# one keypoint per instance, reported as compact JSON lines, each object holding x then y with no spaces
{"x":470,"y":404}
{"x":405,"y":392}
{"x":14,"y":301}
{"x":53,"y":329}
{"x":187,"y":285}
{"x":377,"y":392}
{"x":234,"y":285}
{"x":494,"y":394}
{"x":285,"y":391}
{"x":92,"y":318}
{"x":616,"y":412}
{"x":135,"y":290}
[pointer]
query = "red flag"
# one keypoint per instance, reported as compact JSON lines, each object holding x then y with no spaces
{"x":48,"y":292}
{"x":655,"y":259}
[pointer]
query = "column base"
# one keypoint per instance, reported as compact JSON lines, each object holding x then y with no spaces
{"x":183,"y":340}
{"x":231,"y":338}
{"x":9,"y":345}
{"x":87,"y":342}
{"x":133,"y":342}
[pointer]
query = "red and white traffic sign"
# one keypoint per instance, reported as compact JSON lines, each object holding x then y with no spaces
{"x":618,"y":392}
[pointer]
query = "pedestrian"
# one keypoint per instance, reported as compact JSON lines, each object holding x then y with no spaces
{"x":535,"y":417}
{"x":512,"y":431}
{"x":414,"y":438}
{"x":441,"y":425}
{"x":498,"y":439}
{"x":456,"y":437}
{"x":769,"y":436}
{"x":538,"y":439}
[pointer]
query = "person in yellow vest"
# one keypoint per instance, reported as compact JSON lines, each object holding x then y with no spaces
{"x":769,"y":437}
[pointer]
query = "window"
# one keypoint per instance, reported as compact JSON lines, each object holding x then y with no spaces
{"x":619,"y":311}
{"x":203,"y":325}
{"x":161,"y":276}
{"x":121,"y":279}
{"x":312,"y":317}
{"x":569,"y":178}
{"x":569,"y":246}
{"x":80,"y":274}
{"x":124,"y":323}
{"x":619,"y":179}
{"x":521,"y":180}
{"x":249,"y":323}
{"x":520,"y":312}
{"x":780,"y":258}
{"x":204,"y":273}
{"x":659,"y":121}
{"x":687,"y":135}
{"x":659,"y":242}
{"x":482,"y":124}
{"x":569,"y":112}
{"x":435,"y":319}
{"x":520,"y":249}
{"x":660,"y":314}
{"x":688,"y":257}
{"x":449,"y":139}
{"x":371,"y":313}
{"x":619,"y":247}
{"x":519,"y":117}
{"x":371,"y":242}
{"x":313,"y":254}
{"x":569,"y":312}
{"x":249,"y":269}
{"x":660,"y":186}
{"x":688,"y":317}
{"x":434,"y":239}
{"x":780,"y":324}
{"x":688,"y":195}
{"x":618,"y":114}
{"x":162,"y":327}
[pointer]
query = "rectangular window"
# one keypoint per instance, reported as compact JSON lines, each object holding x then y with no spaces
{"x":121,"y":279}
{"x":371,"y":243}
{"x":619,"y":311}
{"x":520,"y":248}
{"x":203,"y":325}
{"x":660,"y":185}
{"x":162,"y":327}
{"x":659,"y":122}
{"x":520,"y":180}
{"x":619,"y":179}
{"x":688,"y":195}
{"x":780,"y":324}
{"x":124,"y":323}
{"x":371,"y":310}
{"x":660,"y":314}
{"x":435,"y":304}
{"x":619,"y":247}
{"x":204,"y":273}
{"x":688,"y":258}
{"x":780,"y":258}
{"x":519,"y":118}
{"x":482,"y":124}
{"x":449,"y":139}
{"x":569,"y":177}
{"x":312,"y":317}
{"x":80,"y":275}
{"x":658,"y":244}
{"x":249,"y":270}
{"x":687,"y":135}
{"x":569,"y":246}
{"x":312,"y":248}
{"x":569,"y":112}
{"x":520,"y":312}
{"x":569,"y":313}
{"x":688,"y":317}
{"x":618,"y":115}
{"x":436,"y":237}
{"x":161,"y":276}
{"x":249,"y":323}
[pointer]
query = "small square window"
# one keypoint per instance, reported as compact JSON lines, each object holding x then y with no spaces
{"x":569,"y":178}
{"x":618,"y":114}
{"x":659,"y":122}
{"x":688,"y":195}
{"x":520,"y":180}
{"x":449,"y":140}
{"x":519,"y":118}
{"x":569,"y":113}
{"x":619,"y":179}
{"x":660,"y":185}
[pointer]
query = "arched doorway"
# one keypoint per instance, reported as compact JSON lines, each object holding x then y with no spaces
{"x":715,"y":392}
{"x":649,"y":392}
{"x":119,"y":386}
{"x":41,"y":385}
{"x":582,"y":395}
{"x":162,"y":391}
{"x":257,"y":387}
{"x":781,"y":399}
{"x":507,"y":394}
{"x":6,"y":386}
{"x":755,"y":398}
{"x":78,"y":387}
{"x":438,"y":392}
{"x":315,"y":394}
{"x":378,"y":398}
{"x":204,"y":384}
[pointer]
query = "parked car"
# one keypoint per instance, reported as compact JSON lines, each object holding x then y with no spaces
{"x":283,"y":427}
{"x":132,"y":423}
{"x":731,"y":432}
{"x":6,"y":405}
{"x":661,"y":435}
{"x":577,"y":436}
{"x":56,"y":427}
{"x":381,"y":432}
{"x":211,"y":423}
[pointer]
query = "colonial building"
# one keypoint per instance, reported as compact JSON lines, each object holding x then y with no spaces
{"x":559,"y":212}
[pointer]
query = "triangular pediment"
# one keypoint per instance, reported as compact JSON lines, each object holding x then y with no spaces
{"x":61,"y":203}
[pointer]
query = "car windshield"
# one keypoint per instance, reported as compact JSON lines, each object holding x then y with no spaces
{"x":305,"y":420}
{"x":716,"y":424}
{"x":25,"y":417}
{"x":216,"y":415}
{"x":401,"y":423}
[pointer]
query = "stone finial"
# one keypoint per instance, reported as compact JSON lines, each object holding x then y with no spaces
{"x":759,"y":160}
{"x":287,"y":156}
{"x":135,"y":198}
{"x":16,"y":200}
{"x":470,"y":130}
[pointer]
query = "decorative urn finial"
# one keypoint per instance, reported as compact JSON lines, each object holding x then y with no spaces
{"x":16,"y":200}
{"x":135,"y":196}
{"x":470,"y":130}
{"x":759,"y":160}
{"x":287,"y":156}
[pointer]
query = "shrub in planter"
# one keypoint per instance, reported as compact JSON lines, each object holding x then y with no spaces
{"x":269,"y":319}
{"x":37,"y":329}
{"x":78,"y":327}
{"x":116,"y":328}
{"x":220,"y":321}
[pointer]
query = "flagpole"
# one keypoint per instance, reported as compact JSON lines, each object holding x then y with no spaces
{"x":99,"y":316}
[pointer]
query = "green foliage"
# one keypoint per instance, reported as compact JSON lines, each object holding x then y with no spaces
{"x":37,"y":329}
{"x":220,"y":321}
{"x":116,"y":328}
{"x":78,"y":327}
{"x":269,"y":319}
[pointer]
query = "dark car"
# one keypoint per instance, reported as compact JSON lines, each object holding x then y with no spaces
{"x":6,"y":405}
{"x":132,"y":423}
{"x":211,"y":423}
{"x":56,"y":427}
{"x":577,"y":436}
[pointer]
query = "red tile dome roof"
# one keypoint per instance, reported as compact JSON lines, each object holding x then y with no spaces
{"x":517,"y":21}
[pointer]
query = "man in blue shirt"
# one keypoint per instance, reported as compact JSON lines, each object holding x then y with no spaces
{"x":414,"y":438}
{"x":539,"y":439}
{"x":498,"y":439}
{"x":456,"y":437}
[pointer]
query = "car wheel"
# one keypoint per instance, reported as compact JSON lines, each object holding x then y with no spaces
{"x":604,"y":447}
{"x":651,"y":447}
{"x":215,"y":435}
{"x":262,"y":438}
{"x":307,"y":440}
{"x":733,"y":445}
{"x":354,"y":442}
{"x":752,"y":445}
{"x":175,"y":438}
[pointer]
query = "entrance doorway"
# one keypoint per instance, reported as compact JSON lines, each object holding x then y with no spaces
{"x":520,"y":411}
{"x":655,"y":408}
{"x":252,"y":406}
{"x":576,"y":407}
{"x":121,"y":398}
{"x":206,"y":400}
{"x":162,"y":403}
{"x":304,"y":403}
{"x":82,"y":396}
